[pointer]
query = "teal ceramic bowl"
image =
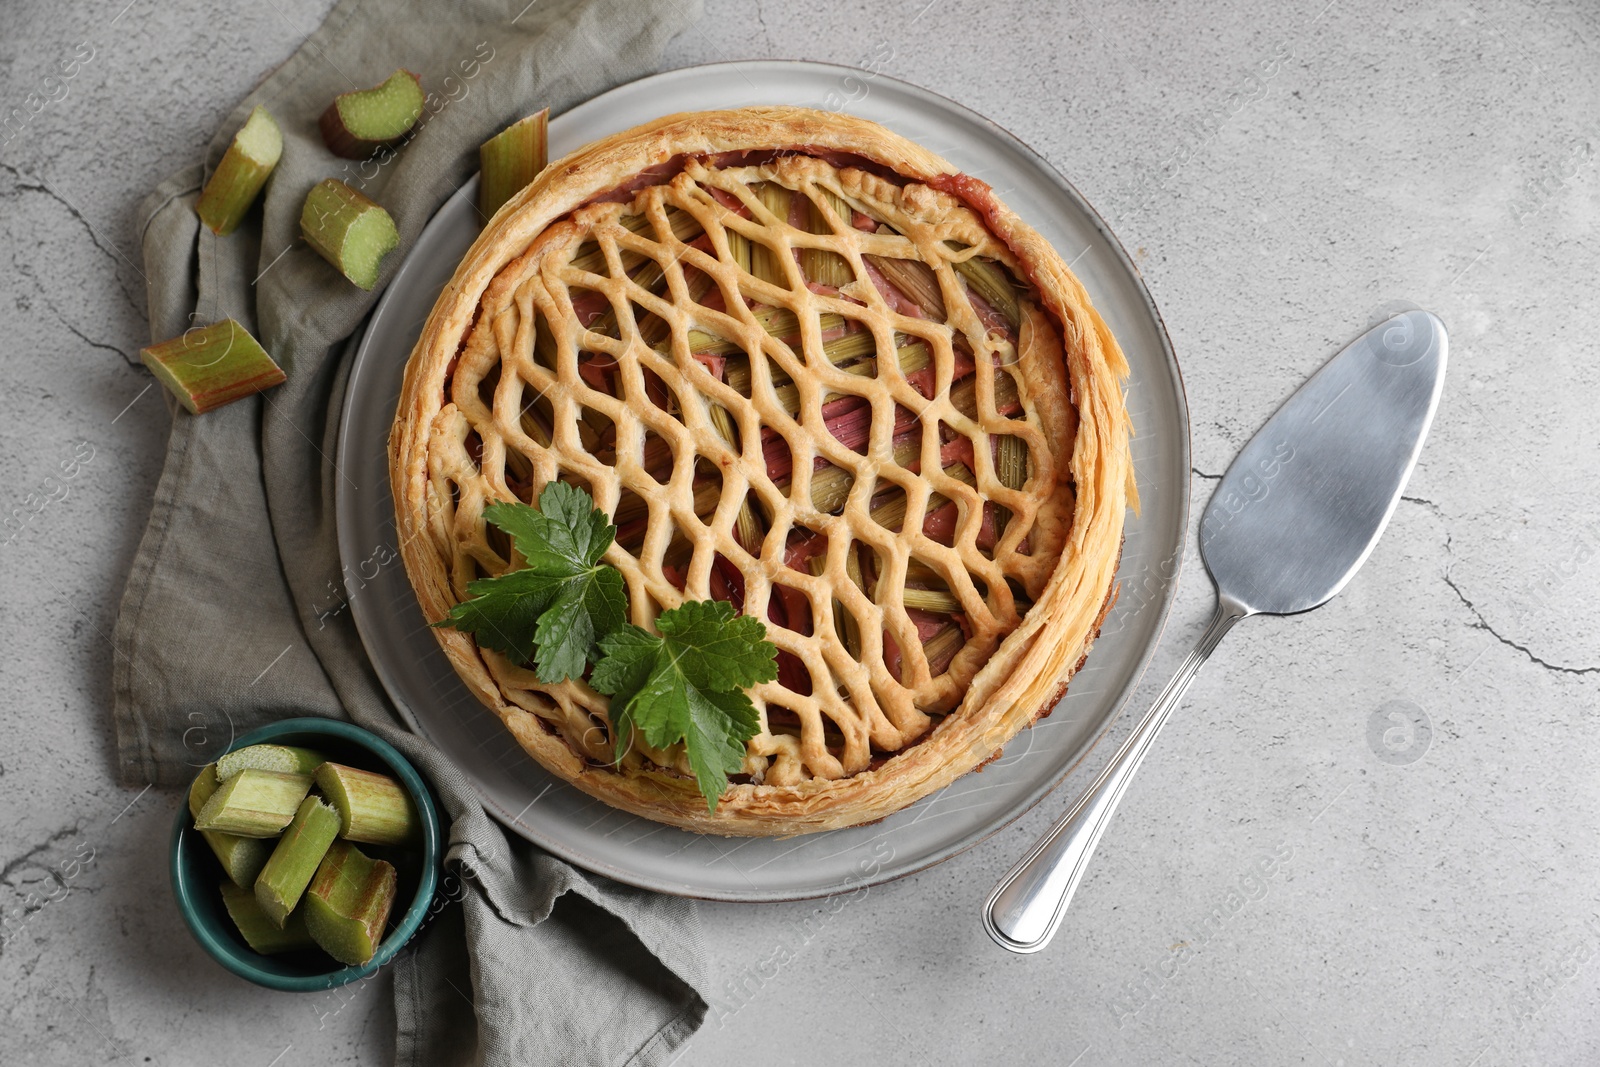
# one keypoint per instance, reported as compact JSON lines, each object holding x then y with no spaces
{"x":197,"y":876}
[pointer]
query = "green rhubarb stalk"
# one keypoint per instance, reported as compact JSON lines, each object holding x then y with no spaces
{"x":747,"y":528}
{"x":510,"y":160}
{"x":254,"y":803}
{"x":830,"y":487}
{"x":765,"y":262}
{"x":359,"y":123}
{"x":241,"y":857}
{"x":258,"y":929}
{"x":990,"y":281}
{"x":286,"y":759}
{"x":844,"y":623}
{"x":201,"y":788}
{"x":1012,"y":462}
{"x":891,"y":514}
{"x":210,"y":366}
{"x":295,"y":860}
{"x":963,"y":474}
{"x":942,"y":647}
{"x":372,"y":808}
{"x":348,"y":230}
{"x":937,"y":600}
{"x":592,"y":258}
{"x":776,"y":321}
{"x":1011,"y":465}
{"x":348,"y":903}
{"x":846,"y":353}
{"x":822,"y":265}
{"x":244,"y":169}
{"x":964,"y":398}
{"x":739,"y":249}
{"x":916,"y":280}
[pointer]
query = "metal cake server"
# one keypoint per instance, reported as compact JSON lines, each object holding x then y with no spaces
{"x":1291,"y":522}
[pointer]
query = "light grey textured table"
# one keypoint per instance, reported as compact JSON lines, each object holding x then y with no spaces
{"x":1418,"y":757}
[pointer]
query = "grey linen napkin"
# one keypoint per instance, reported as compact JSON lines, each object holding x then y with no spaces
{"x":225,"y":623}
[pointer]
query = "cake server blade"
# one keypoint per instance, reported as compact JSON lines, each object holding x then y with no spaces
{"x":1300,"y":509}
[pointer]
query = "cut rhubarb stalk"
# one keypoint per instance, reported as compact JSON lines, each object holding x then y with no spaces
{"x":747,"y":528}
{"x":633,"y":510}
{"x":210,"y":366}
{"x":868,"y":562}
{"x":348,"y":230}
{"x":1011,"y":466}
{"x":990,"y":281}
{"x":358,"y":124}
{"x":847,"y":353}
{"x":593,"y":429}
{"x":942,"y":647}
{"x":707,"y":495}
{"x":853,"y":568}
{"x":685,"y":227}
{"x":777,"y":322}
{"x":1012,"y":469}
{"x":241,"y":857}
{"x":819,"y":264}
{"x":937,"y":600}
{"x":765,"y":263}
{"x":738,"y":243}
{"x":254,"y":803}
{"x":511,"y":159}
{"x":295,"y":860}
{"x":592,"y":258}
{"x":348,"y":903}
{"x":258,"y":929}
{"x":849,"y":419}
{"x":914,"y":357}
{"x":739,"y":249}
{"x":286,"y":759}
{"x":655,"y":330}
{"x":244,"y":169}
{"x":535,"y":429}
{"x":200,"y":791}
{"x":916,"y":280}
{"x":648,"y":275}
{"x":372,"y":807}
{"x":589,"y":256}
{"x":891,"y":514}
{"x":964,"y":396}
{"x":1011,"y":463}
{"x":829,"y":484}
{"x":844,"y":623}
{"x":830,"y":487}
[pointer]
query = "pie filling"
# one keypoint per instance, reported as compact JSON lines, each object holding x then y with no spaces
{"x":823,"y":393}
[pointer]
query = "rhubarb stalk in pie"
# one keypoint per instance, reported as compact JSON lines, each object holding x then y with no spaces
{"x":807,"y":368}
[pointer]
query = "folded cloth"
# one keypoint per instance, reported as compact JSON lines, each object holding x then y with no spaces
{"x":225,"y":623}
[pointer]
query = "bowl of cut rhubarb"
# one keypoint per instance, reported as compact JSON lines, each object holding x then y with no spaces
{"x":307,"y":855}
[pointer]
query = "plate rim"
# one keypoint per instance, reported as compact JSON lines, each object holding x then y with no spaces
{"x":359,"y":346}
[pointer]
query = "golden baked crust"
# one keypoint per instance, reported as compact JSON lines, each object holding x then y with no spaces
{"x":763,"y":437}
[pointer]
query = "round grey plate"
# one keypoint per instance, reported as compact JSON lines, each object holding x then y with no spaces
{"x":602,"y":839}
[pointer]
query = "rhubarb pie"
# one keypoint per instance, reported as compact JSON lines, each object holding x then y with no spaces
{"x":807,"y":368}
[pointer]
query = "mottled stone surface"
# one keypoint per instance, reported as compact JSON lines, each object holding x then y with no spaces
{"x":1282,"y":174}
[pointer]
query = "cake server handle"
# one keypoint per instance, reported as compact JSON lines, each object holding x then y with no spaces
{"x":1025,"y":908}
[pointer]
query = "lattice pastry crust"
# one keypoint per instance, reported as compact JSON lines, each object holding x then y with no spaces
{"x":808,"y":367}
